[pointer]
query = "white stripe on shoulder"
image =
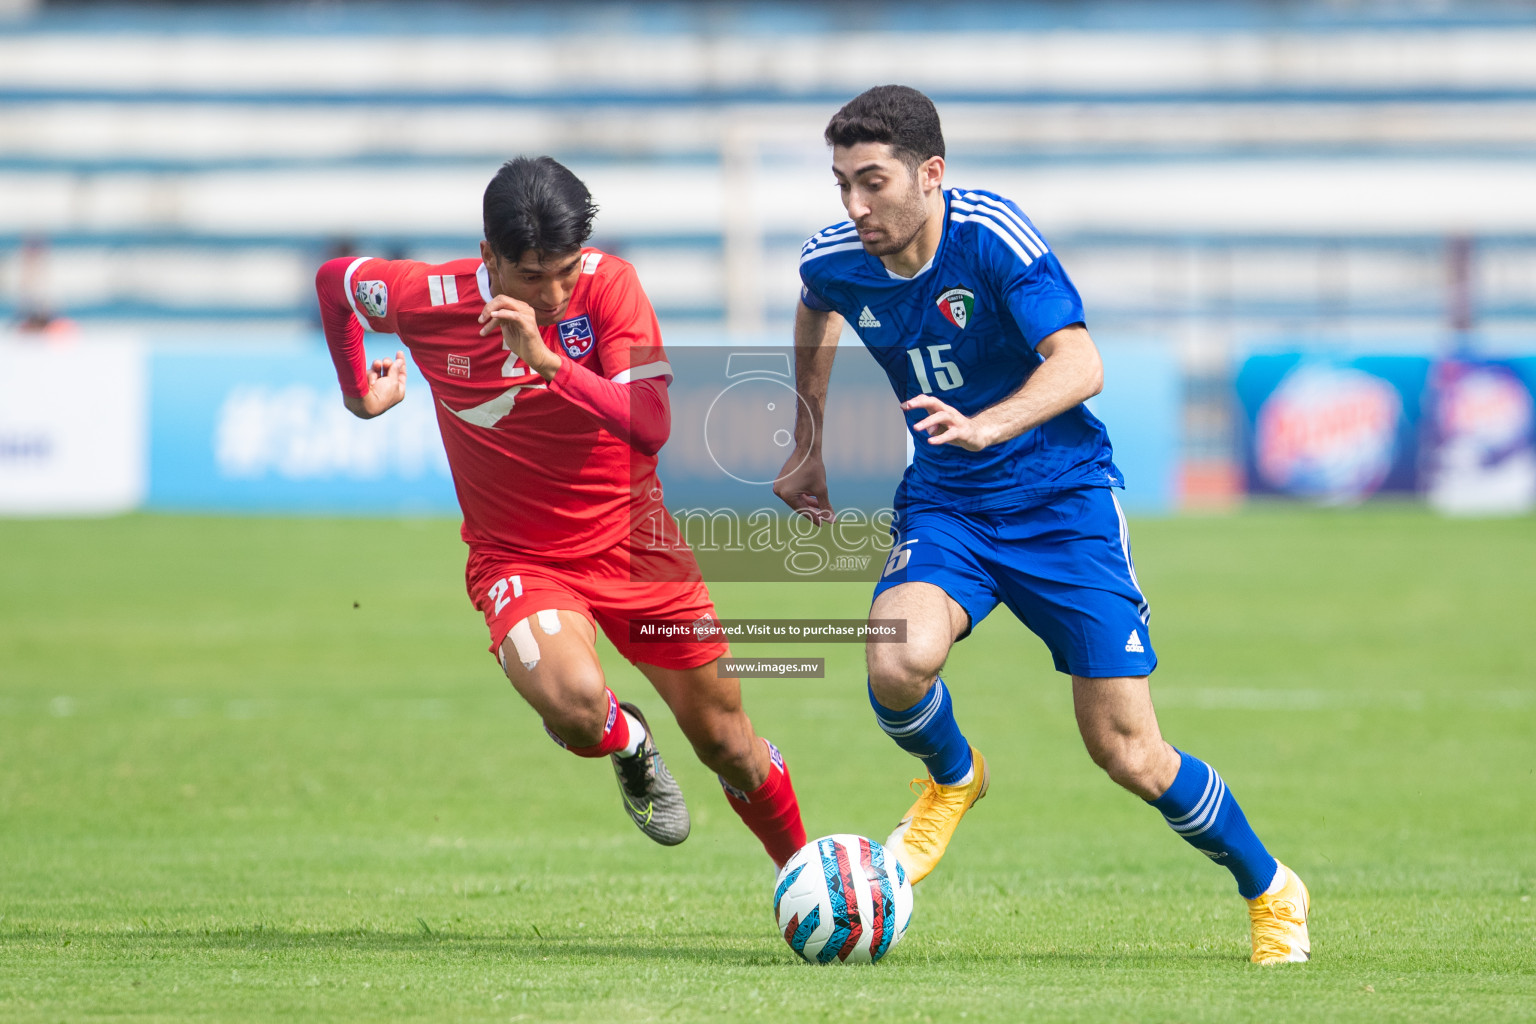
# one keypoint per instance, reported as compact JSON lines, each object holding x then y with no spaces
{"x":822,"y":243}
{"x":844,"y":228}
{"x":1003,"y":217}
{"x":985,"y":220}
{"x":661,"y":368}
{"x":346,"y":286}
{"x":1013,"y":221}
{"x":1033,"y":240}
{"x":830,"y":235}
{"x":828,"y":250}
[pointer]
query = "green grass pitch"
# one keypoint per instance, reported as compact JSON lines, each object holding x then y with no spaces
{"x":262,"y":768}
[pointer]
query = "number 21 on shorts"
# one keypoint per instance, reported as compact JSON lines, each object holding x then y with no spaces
{"x":498,"y":592}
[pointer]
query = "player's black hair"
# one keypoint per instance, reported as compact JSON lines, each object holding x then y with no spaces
{"x":535,"y":204}
{"x":896,"y":115}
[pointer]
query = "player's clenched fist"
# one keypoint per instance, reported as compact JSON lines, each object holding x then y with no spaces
{"x":386,"y":388}
{"x":520,"y":333}
{"x":802,"y":485}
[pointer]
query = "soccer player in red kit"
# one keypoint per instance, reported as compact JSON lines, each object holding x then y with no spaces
{"x":546,"y":369}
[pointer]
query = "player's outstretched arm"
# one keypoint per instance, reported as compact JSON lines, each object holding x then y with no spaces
{"x":366,"y":390}
{"x":802,"y":484}
{"x":386,"y":388}
{"x":1070,"y":373}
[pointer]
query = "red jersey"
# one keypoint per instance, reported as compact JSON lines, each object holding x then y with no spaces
{"x":534,"y":474}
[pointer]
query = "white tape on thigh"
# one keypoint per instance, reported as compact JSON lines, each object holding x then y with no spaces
{"x":549,"y":621}
{"x":526,"y":646}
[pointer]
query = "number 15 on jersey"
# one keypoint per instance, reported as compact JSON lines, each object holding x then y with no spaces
{"x":945,"y":372}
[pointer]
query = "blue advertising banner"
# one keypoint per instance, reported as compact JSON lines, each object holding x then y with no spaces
{"x":1329,"y":428}
{"x":1140,"y":407}
{"x":1480,"y":437}
{"x":256,"y":431}
{"x":1461,"y":432}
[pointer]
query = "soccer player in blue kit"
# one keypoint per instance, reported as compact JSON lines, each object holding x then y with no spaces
{"x":1009,"y":498}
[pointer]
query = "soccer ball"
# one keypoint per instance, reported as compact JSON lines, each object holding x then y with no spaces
{"x":842,"y":898}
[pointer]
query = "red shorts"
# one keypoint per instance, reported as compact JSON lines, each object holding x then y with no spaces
{"x":610,"y":588}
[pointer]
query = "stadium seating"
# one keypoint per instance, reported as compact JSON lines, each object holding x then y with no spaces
{"x":1231,"y":173}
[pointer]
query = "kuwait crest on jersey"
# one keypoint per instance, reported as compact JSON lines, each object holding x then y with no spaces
{"x":576,"y":336}
{"x":956,"y":305}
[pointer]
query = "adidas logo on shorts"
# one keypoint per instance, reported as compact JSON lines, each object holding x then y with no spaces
{"x":1133,"y":645}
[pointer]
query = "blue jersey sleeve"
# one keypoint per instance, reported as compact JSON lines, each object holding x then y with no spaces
{"x":1041,"y":297}
{"x":813,"y":301}
{"x":815,"y":256}
{"x":1029,"y":279}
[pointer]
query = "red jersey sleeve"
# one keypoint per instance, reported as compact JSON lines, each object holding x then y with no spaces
{"x":637,"y":413}
{"x":353,"y":292}
{"x":343,"y":331}
{"x":629,"y":336}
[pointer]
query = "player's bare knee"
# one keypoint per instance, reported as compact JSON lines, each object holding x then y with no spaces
{"x":1130,"y":765}
{"x":723,"y":756}
{"x":900,"y":674}
{"x":916,"y":661}
{"x":721,"y":744}
{"x":576,"y":718}
{"x":571,"y":698}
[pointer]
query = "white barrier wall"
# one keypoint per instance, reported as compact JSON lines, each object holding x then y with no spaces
{"x":72,"y":428}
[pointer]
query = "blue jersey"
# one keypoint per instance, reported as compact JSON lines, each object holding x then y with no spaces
{"x":965,"y":330}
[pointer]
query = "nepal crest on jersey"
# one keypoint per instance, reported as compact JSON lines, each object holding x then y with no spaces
{"x":576,"y":336}
{"x":373,"y":296}
{"x":956,"y":305}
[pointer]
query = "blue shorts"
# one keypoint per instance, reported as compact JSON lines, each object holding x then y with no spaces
{"x":1063,"y":567}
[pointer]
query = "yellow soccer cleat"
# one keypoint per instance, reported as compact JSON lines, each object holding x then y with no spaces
{"x":923,"y":835}
{"x":1280,"y":923}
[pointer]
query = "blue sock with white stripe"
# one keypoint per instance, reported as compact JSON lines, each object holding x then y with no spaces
{"x":927,"y":730}
{"x":1200,"y":808}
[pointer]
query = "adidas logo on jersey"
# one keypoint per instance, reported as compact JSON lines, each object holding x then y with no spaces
{"x":1133,"y":645}
{"x":868,"y":319}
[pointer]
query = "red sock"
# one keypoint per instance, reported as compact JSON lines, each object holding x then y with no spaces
{"x":771,"y":811}
{"x":615,"y":733}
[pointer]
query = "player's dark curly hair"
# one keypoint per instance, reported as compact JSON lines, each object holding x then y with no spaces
{"x":535,"y":204}
{"x":897,"y":115}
